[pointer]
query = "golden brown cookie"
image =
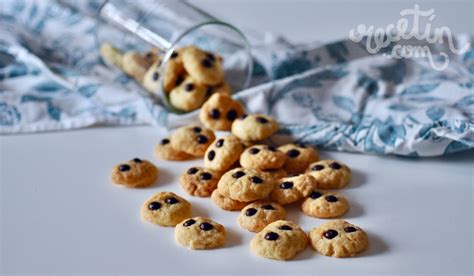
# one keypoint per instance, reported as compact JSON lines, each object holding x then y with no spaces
{"x":203,"y":67}
{"x":245,"y":185}
{"x":223,"y":153}
{"x":338,"y":238}
{"x":165,"y":151}
{"x":280,"y":240}
{"x":293,"y":188}
{"x":199,"y":181}
{"x":174,"y":72}
{"x":325,"y":205}
{"x":151,"y":80}
{"x":134,"y":65}
{"x":188,"y":96}
{"x":299,"y":156}
{"x":165,"y":209}
{"x":330,"y":174}
{"x":255,"y":216}
{"x":135,"y":173}
{"x":111,"y":55}
{"x":200,"y":233}
{"x":254,"y":127}
{"x":226,"y":203}
{"x":192,"y":139}
{"x":262,"y":157}
{"x":220,"y":111}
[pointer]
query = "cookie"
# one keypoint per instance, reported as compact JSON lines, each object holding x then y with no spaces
{"x":189,"y":95}
{"x":220,"y":111}
{"x":280,"y":240}
{"x":192,"y":139}
{"x":174,"y":72}
{"x":299,"y":157}
{"x":223,"y":88}
{"x":277,"y":173}
{"x":200,"y":233}
{"x":245,"y":185}
{"x":165,"y":209}
{"x":134,"y":65}
{"x":135,"y":173}
{"x":226,"y":203}
{"x":330,"y":174}
{"x":338,"y":238}
{"x":151,"y":56}
{"x":151,"y":80}
{"x":165,"y":151}
{"x":223,"y":153}
{"x":254,"y":127}
{"x":111,"y":55}
{"x":325,"y":205}
{"x":262,"y":157}
{"x":294,"y":188}
{"x":198,"y":181}
{"x":255,"y":216}
{"x":203,"y":67}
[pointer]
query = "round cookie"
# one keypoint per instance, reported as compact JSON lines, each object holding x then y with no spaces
{"x":200,"y":233}
{"x":151,"y":80}
{"x":135,"y":173}
{"x":151,"y":56}
{"x":280,"y":240}
{"x":226,"y":203}
{"x":299,"y":156}
{"x":134,"y":65}
{"x":245,"y":185}
{"x":262,"y":157}
{"x":293,"y":188}
{"x":338,"y":238}
{"x":330,"y":174}
{"x":203,"y":67}
{"x":192,"y":139}
{"x":276,"y":173}
{"x":254,"y":127}
{"x":174,"y":71}
{"x":220,"y":111}
{"x":255,"y":216}
{"x":325,"y":205}
{"x":198,"y":181}
{"x":165,"y":151}
{"x":165,"y":209}
{"x":223,"y":153}
{"x":188,"y":96}
{"x":111,"y":55}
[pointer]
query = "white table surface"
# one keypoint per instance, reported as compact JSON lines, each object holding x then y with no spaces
{"x":60,"y":214}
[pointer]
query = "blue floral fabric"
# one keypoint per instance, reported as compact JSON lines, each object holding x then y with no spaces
{"x":336,"y":96}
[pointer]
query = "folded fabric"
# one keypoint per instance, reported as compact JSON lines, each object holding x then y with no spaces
{"x":335,"y":96}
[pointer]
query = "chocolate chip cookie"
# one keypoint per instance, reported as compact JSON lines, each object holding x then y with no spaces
{"x":135,"y":173}
{"x":199,"y":181}
{"x":165,"y":209}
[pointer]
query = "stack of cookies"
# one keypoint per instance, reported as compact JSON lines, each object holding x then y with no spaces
{"x":190,"y":77}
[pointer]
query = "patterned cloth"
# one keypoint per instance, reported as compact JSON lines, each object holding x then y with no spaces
{"x":335,"y":96}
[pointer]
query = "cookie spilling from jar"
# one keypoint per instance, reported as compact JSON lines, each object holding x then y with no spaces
{"x":191,"y":75}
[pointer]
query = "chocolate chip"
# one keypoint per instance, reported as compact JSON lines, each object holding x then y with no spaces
{"x":220,"y":143}
{"x":207,"y":63}
{"x":286,"y":185}
{"x":192,"y":170}
{"x":179,"y":80}
{"x":349,"y":229}
{"x":214,"y":114}
{"x":149,"y":55}
{"x":256,"y":179}
{"x":317,"y":168}
{"x":293,"y":153}
{"x":238,"y":174}
{"x":155,"y":76}
{"x":197,"y":129}
{"x":271,"y":236}
{"x":268,"y":207}
{"x":261,"y":120}
{"x":211,"y":155}
{"x":243,"y":116}
{"x":171,"y":200}
{"x":315,"y":194}
{"x":137,"y":160}
{"x":174,"y":55}
{"x":209,"y":90}
{"x":330,"y":234}
{"x":250,"y":212}
{"x":201,"y":139}
{"x":285,"y":227}
{"x":330,"y":198}
{"x":271,"y":148}
{"x":189,"y":87}
{"x":254,"y":151}
{"x":335,"y":166}
{"x":189,"y":222}
{"x":124,"y":168}
{"x":205,"y":176}
{"x":206,"y":226}
{"x":210,"y":57}
{"x":231,"y":115}
{"x":154,"y":205}
{"x":165,"y":141}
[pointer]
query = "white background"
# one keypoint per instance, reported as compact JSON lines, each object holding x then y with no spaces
{"x":60,"y":214}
